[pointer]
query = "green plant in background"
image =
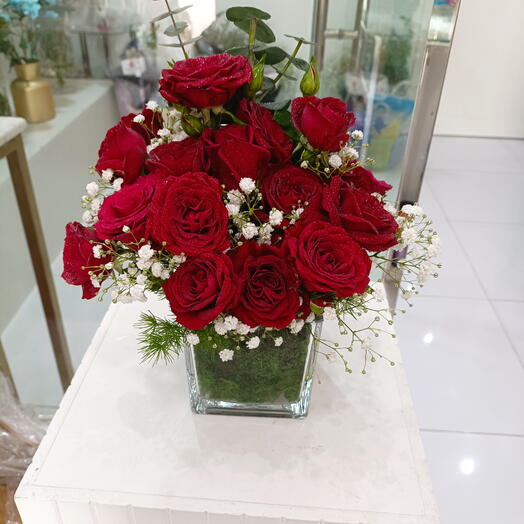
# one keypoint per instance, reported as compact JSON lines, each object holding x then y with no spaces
{"x":397,"y":52}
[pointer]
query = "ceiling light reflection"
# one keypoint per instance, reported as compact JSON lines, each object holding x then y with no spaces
{"x":467,"y":466}
{"x":428,"y":338}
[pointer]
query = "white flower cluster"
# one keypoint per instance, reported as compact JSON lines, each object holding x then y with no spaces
{"x":172,"y":130}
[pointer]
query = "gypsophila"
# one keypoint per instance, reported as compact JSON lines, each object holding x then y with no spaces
{"x":92,"y":189}
{"x":139,"y":119}
{"x":226,"y":355}
{"x":253,"y":342}
{"x":249,"y":230}
{"x":107,"y":174}
{"x":279,"y":341}
{"x":247,"y":185}
{"x":152,"y":105}
{"x":193,"y":339}
{"x":357,"y":135}
{"x":275,"y":217}
{"x":335,"y":161}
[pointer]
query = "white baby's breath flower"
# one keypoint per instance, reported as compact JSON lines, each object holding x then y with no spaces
{"x":242,"y":329}
{"x":219,"y":326}
{"x":92,"y":189}
{"x":146,"y":251}
{"x":434,"y":246}
{"x":155,"y":142}
{"x":139,"y":119}
{"x":247,"y":185}
{"x":357,"y":134}
{"x":335,"y":161}
{"x":226,"y":355}
{"x":230,"y":322}
{"x":310,"y":318}
{"x":156,"y":269}
{"x":117,"y":184}
{"x":330,"y":313}
{"x":179,"y":136}
{"x":278,"y":341}
{"x":408,"y":291}
{"x":253,"y":342}
{"x":296,"y":325}
{"x":235,"y":197}
{"x":275,"y":217}
{"x":165,"y":274}
{"x":412,"y":210}
{"x":425,"y":271}
{"x":303,"y":164}
{"x":132,"y":270}
{"x":141,"y":279}
{"x":193,"y":339}
{"x":233,"y":209}
{"x":367,"y":344}
{"x":164,"y":132}
{"x":152,"y":105}
{"x":390,"y":208}
{"x":144,"y":263}
{"x":137,"y":292}
{"x":264,"y":234}
{"x":249,"y":230}
{"x":88,"y":218}
{"x":107,"y":174}
{"x":408,"y":236}
{"x":96,"y":204}
{"x":95,"y":282}
{"x":97,"y":251}
{"x":179,"y":259}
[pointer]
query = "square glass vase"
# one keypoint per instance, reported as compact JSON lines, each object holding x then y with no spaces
{"x":266,"y":381}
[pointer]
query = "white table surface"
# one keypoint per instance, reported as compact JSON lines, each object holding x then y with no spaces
{"x":10,"y":126}
{"x":124,"y":448}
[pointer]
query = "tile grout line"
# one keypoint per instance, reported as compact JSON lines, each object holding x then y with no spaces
{"x":477,"y":433}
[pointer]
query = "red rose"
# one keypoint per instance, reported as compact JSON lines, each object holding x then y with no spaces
{"x":79,"y":258}
{"x":128,"y":207}
{"x":149,"y":127}
{"x":323,"y":121}
{"x":189,"y":215}
{"x":268,"y":294}
{"x":124,"y":151}
{"x":206,"y":81}
{"x":329,"y":261}
{"x":291,"y":187}
{"x":362,"y":215}
{"x":177,"y":158}
{"x":362,"y":178}
{"x":234,"y":155}
{"x":266,"y":132}
{"x":200,"y":289}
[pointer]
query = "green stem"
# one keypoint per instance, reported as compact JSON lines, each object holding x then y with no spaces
{"x":251,"y":40}
{"x":186,"y":56}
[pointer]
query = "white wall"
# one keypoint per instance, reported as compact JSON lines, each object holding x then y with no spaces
{"x":484,"y":88}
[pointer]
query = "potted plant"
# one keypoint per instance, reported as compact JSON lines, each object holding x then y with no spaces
{"x":254,"y":221}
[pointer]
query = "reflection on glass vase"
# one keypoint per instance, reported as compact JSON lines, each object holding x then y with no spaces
{"x":268,"y":380}
{"x":32,"y":95}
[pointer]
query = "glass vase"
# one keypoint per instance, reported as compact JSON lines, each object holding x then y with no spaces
{"x":269,"y":380}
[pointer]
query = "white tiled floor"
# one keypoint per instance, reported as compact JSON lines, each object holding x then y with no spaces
{"x":463,"y":341}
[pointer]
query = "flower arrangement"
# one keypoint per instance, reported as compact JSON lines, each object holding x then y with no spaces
{"x":18,"y":35}
{"x":254,"y":220}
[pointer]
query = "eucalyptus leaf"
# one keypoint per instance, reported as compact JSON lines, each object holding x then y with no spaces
{"x":275,"y":106}
{"x":300,"y":64}
{"x":173,"y":31}
{"x":300,"y":39}
{"x":170,"y":13}
{"x":263,"y":32}
{"x":188,"y":42}
{"x":274,"y":54}
{"x":285,"y":75}
{"x":243,"y":50}
{"x":239,"y":14}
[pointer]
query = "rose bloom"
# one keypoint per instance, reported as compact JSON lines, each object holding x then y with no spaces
{"x":284,"y":189}
{"x":328,"y":260}
{"x":124,"y":151}
{"x":78,"y":254}
{"x":234,"y":155}
{"x":128,"y":207}
{"x":362,"y":215}
{"x":200,"y":289}
{"x":177,"y":158}
{"x":266,"y":132}
{"x":206,"y":81}
{"x":364,"y":179}
{"x":323,"y":121}
{"x":149,"y":127}
{"x":268,"y":286}
{"x":189,"y":216}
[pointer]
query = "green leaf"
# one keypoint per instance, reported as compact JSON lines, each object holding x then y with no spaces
{"x":285,"y":75}
{"x":173,"y":31}
{"x":300,"y":39}
{"x":242,"y":50}
{"x":263,"y":32}
{"x":274,"y":54}
{"x":192,"y":41}
{"x":299,"y":63}
{"x":277,"y":105}
{"x":282,"y":117}
{"x":239,"y":14}
{"x":170,"y":13}
{"x":316,"y":309}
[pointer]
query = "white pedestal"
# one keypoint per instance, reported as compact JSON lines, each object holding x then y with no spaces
{"x":124,"y":448}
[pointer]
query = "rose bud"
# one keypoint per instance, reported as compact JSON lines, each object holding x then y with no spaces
{"x":310,"y":83}
{"x":191,"y":125}
{"x":258,"y":78}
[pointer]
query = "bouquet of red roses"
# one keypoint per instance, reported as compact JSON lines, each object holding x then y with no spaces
{"x":253,"y":219}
